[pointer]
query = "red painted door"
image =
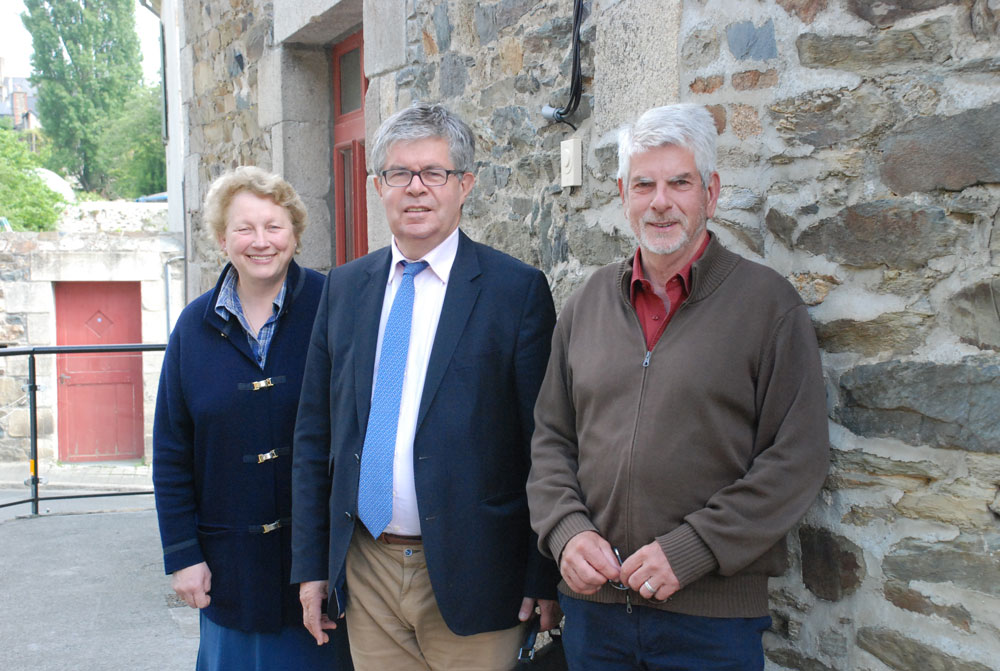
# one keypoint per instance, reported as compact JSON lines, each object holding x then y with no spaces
{"x":100,"y":395}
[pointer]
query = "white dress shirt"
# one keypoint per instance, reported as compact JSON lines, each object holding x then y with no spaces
{"x":428,"y":296}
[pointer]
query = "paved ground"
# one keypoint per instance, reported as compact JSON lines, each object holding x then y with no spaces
{"x":86,"y":590}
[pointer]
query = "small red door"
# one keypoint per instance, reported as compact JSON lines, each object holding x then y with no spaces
{"x":100,"y":395}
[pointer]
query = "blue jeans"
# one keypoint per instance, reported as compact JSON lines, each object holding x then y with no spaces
{"x":605,"y":637}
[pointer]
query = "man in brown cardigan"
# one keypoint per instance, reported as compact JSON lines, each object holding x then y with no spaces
{"x":680,"y":431}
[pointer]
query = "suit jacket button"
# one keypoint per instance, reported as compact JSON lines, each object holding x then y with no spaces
{"x":349,"y":516}
{"x":357,"y":457}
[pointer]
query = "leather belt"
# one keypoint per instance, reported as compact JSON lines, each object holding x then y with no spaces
{"x":396,"y":539}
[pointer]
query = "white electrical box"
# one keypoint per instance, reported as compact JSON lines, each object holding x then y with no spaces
{"x":572,"y":162}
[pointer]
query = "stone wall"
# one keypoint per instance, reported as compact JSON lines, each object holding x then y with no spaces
{"x":859,"y":157}
{"x":96,"y":242}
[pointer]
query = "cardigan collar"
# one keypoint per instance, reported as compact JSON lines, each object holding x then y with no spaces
{"x":707,"y":273}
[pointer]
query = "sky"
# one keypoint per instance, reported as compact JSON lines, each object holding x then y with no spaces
{"x":15,"y":41}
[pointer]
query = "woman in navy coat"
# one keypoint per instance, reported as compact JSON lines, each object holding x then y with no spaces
{"x":222,"y":437}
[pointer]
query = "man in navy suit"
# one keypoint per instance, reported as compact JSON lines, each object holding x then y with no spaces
{"x":449,"y":581}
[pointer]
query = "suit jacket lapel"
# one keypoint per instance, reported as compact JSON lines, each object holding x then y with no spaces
{"x":459,"y":299}
{"x":369,"y":312}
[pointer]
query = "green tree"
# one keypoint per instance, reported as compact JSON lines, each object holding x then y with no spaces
{"x":86,"y":63}
{"x":131,"y":147}
{"x":25,"y":200}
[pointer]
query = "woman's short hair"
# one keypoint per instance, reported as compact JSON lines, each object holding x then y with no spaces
{"x":421,"y":121}
{"x":684,"y":125}
{"x":258,"y":182}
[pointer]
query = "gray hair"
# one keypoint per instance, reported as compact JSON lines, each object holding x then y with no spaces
{"x":422,"y":121}
{"x":684,"y":125}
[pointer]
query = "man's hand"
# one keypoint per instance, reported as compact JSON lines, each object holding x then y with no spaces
{"x":311,"y":595}
{"x":551,"y":613}
{"x":193,"y":583}
{"x":588,"y":562}
{"x":649,"y":567}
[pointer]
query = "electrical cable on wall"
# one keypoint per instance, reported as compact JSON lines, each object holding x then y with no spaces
{"x":576,"y":78}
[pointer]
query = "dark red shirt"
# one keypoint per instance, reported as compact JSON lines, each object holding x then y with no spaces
{"x":654,"y":314}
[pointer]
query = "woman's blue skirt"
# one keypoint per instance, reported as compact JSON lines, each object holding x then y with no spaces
{"x":291,"y":649}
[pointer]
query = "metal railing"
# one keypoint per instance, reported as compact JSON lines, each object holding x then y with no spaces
{"x":32,"y":390}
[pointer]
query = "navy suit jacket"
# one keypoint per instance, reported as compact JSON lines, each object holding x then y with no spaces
{"x":472,"y":445}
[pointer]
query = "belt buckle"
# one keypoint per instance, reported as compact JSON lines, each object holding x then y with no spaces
{"x":267,"y":456}
{"x":273,"y":526}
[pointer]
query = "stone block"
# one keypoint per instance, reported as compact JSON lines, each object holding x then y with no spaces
{"x":899,"y":652}
{"x":806,"y":10}
{"x":442,"y":27}
{"x":963,"y":503}
{"x":755,"y":79}
{"x":813,"y":287}
{"x":627,"y":42}
{"x":28,"y":297}
{"x":303,"y":151}
{"x":828,"y":117}
{"x":939,"y":152}
{"x":700,"y":48}
{"x":385,"y":47}
{"x":324,"y":22}
{"x":887,"y":12}
{"x":706,"y":84}
{"x":744,"y":121}
{"x":317,"y":240}
{"x":592,"y":246}
{"x":893,"y":233}
{"x":19,"y":423}
{"x":781,"y":225}
{"x":749,"y":42}
{"x":12,"y":331}
{"x":11,"y":391}
{"x":927,"y":43}
{"x":41,"y":329}
{"x":97,"y":266}
{"x":858,"y":467}
{"x":832,"y":566}
{"x":893,"y":333}
{"x":948,"y":405}
{"x":718,"y":113}
{"x":454,"y":75}
{"x":899,"y":595}
{"x":794,"y":659}
{"x":974,"y":314}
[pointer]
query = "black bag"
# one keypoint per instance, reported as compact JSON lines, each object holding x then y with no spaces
{"x":549,"y":657}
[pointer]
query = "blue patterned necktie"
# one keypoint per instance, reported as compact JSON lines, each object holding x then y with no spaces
{"x":375,"y":487}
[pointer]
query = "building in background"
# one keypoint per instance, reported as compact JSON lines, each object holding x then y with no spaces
{"x":859,"y":157}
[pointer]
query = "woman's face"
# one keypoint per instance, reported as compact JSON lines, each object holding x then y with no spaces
{"x":259,"y":238}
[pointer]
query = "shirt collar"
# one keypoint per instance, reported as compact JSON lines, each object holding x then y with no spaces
{"x":229,"y":303}
{"x":640,"y":283}
{"x":440,"y":259}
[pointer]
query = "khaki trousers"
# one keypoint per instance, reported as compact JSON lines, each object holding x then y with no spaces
{"x":393,"y":621}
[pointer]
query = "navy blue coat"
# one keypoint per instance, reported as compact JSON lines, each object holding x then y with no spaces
{"x":472,"y":445}
{"x":213,"y":494}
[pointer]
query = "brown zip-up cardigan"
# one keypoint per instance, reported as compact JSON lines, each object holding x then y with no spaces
{"x":715,"y":443}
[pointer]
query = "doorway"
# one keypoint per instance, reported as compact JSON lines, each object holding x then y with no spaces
{"x":100,"y":399}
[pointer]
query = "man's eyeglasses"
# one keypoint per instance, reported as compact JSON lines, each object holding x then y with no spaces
{"x":429,"y":176}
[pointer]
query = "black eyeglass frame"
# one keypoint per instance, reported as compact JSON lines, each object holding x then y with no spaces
{"x":420,"y":174}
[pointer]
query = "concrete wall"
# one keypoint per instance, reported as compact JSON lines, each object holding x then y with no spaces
{"x":859,"y":158}
{"x":97,"y":242}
